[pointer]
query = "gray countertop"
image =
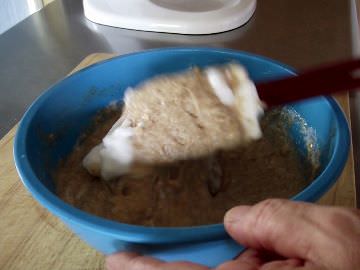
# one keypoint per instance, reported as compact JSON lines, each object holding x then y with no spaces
{"x":43,"y":48}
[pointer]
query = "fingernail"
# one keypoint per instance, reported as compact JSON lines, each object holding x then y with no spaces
{"x":235,"y":214}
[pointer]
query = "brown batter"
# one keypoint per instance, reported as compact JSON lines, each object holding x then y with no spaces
{"x":186,"y":193}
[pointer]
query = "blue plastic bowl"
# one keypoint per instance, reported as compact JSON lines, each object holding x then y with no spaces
{"x":67,"y":108}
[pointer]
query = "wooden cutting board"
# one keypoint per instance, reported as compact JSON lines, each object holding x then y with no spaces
{"x":31,"y":238}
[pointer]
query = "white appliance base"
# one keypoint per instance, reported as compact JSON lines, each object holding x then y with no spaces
{"x":171,"y":16}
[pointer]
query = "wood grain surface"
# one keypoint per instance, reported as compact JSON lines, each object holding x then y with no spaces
{"x":31,"y":238}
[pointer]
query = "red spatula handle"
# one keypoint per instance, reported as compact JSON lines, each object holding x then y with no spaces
{"x":344,"y":76}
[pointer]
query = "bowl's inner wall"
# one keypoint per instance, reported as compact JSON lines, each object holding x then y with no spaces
{"x":65,"y":111}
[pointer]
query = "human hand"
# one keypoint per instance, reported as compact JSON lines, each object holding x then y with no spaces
{"x":281,"y":235}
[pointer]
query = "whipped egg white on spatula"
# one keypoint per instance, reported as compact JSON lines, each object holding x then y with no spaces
{"x":177,"y":117}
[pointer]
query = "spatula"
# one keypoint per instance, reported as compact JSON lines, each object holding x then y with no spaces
{"x":324,"y":80}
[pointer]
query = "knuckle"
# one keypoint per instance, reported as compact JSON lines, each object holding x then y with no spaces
{"x":343,"y":234}
{"x":265,"y":210}
{"x":345,"y":220}
{"x":355,"y":213}
{"x":271,"y":204}
{"x":263,"y":216}
{"x":354,"y":257}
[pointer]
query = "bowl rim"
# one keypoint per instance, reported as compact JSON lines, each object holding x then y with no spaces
{"x":157,"y":235}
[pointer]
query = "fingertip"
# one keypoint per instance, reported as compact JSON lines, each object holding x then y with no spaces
{"x":110,"y":263}
{"x":236,"y":214}
{"x":249,"y":254}
{"x":114,"y":261}
{"x":251,"y":257}
{"x":236,"y":264}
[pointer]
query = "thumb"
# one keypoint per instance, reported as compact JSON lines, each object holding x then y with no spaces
{"x":290,"y":229}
